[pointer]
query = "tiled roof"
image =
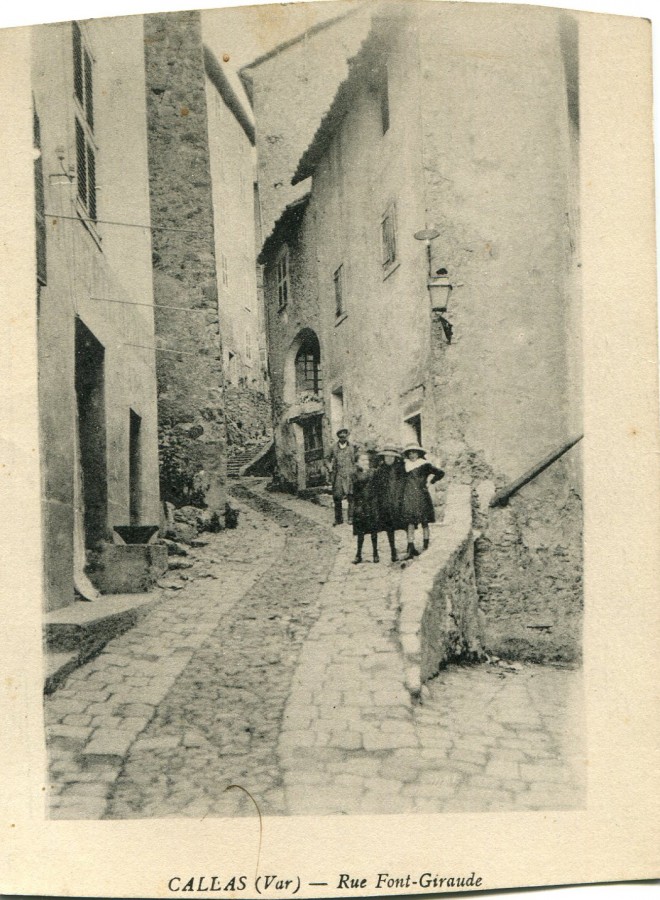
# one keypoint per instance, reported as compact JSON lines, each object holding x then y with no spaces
{"x":289,"y":219}
{"x":360,"y":67}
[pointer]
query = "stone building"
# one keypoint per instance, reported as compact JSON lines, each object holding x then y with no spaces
{"x":290,"y":87}
{"x":236,"y":223}
{"x":97,"y":387}
{"x":191,"y":409}
{"x":425,"y":284}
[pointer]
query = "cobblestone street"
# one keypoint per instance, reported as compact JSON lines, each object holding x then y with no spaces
{"x":272,"y":664}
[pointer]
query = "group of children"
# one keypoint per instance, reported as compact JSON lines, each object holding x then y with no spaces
{"x":390,"y":493}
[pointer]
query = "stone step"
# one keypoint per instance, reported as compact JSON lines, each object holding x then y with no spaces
{"x":75,"y":633}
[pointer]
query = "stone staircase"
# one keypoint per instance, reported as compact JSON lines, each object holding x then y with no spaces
{"x":240,"y":459}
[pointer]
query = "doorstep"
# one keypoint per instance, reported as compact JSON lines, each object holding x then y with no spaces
{"x":77,"y":632}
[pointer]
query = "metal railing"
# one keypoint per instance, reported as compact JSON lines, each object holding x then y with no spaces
{"x":501,"y":497}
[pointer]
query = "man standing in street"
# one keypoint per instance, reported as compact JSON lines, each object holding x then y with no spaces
{"x":341,"y":465}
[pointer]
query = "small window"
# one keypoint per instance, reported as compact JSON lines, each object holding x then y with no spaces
{"x":388,"y":238}
{"x":248,"y":345}
{"x":283,"y":280}
{"x":338,"y":279}
{"x":225,"y":271}
{"x":84,"y":123}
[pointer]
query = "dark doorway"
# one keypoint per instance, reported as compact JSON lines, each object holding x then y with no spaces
{"x":90,"y":391}
{"x":313,"y":443}
{"x":135,"y":468}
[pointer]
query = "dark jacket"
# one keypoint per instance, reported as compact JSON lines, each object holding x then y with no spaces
{"x":388,"y":484}
{"x":417,"y":506}
{"x":366,"y":510}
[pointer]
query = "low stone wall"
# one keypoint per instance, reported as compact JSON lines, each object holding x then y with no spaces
{"x":440,"y":619}
{"x":126,"y":568}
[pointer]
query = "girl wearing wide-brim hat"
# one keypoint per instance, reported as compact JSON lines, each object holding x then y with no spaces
{"x":417,"y":506}
{"x":388,"y":482}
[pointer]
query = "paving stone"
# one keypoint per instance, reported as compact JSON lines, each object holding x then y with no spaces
{"x":69,"y":737}
{"x":285,"y":679}
{"x":109,"y":742}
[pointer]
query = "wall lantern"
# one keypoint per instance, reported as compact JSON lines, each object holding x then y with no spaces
{"x":438,"y":283}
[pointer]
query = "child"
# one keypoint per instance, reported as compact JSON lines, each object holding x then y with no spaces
{"x":365,"y":507}
{"x":417,"y":506}
{"x":388,"y":483}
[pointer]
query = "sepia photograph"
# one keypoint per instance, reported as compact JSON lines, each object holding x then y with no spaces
{"x":315,"y":333}
{"x":310,"y":398}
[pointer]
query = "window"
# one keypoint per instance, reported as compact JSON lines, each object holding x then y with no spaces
{"x":388,"y":238}
{"x":338,"y":279}
{"x":39,"y":201}
{"x":85,"y":147}
{"x":308,"y":372}
{"x":225,"y":271}
{"x":283,"y":282}
{"x":248,"y":345}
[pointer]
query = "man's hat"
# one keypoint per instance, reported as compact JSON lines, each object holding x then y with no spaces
{"x":342,"y":431}
{"x":388,"y":448}
{"x":410,"y":447}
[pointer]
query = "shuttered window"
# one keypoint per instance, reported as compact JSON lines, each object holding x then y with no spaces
{"x":83,"y":87}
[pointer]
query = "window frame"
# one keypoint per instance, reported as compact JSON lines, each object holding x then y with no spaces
{"x":283,"y":278}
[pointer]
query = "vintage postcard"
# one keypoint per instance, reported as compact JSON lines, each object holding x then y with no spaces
{"x":330,"y":444}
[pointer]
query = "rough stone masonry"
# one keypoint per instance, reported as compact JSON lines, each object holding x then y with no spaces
{"x":192,"y":430}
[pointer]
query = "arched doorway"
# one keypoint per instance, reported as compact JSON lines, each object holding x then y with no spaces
{"x":303,"y":393}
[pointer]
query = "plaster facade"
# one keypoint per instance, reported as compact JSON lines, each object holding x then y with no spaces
{"x":232,"y":162}
{"x":446,"y":122}
{"x":96,"y":368}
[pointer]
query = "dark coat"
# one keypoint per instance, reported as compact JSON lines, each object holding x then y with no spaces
{"x":388,"y":484}
{"x":417,"y":506}
{"x":366,"y":511}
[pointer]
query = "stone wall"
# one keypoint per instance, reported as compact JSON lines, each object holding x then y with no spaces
{"x":190,"y":382}
{"x":249,"y":420}
{"x":440,"y":620}
{"x":528,"y":561}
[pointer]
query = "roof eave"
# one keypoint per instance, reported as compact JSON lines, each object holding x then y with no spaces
{"x":222,"y":85}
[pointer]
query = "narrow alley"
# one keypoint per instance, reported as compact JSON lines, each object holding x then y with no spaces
{"x":271,"y":670}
